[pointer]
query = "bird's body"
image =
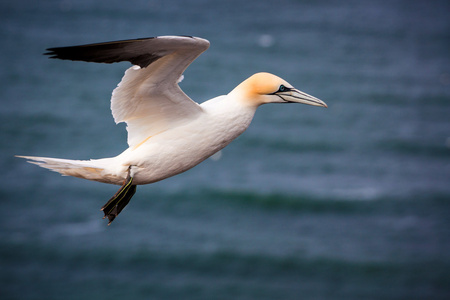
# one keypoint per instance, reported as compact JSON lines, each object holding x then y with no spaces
{"x":176,"y":150}
{"x":168,"y":133}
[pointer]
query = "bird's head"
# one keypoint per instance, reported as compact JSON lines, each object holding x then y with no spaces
{"x":263,"y":88}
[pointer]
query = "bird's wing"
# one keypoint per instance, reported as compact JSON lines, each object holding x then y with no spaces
{"x":148,"y":98}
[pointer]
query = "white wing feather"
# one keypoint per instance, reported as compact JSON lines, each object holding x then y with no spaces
{"x":149,"y":99}
{"x":149,"y":108}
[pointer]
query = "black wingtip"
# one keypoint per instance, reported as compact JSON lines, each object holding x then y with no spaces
{"x":108,"y":52}
{"x":50,"y":52}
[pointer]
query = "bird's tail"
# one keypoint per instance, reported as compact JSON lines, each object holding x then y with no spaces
{"x":96,"y":170}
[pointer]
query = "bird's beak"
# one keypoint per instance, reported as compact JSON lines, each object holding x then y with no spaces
{"x":296,"y":96}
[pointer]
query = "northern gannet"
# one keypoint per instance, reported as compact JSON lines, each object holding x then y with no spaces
{"x":168,"y":133}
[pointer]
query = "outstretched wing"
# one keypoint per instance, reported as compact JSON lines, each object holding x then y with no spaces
{"x":148,"y":98}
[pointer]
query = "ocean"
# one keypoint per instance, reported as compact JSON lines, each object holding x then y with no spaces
{"x":349,"y":202}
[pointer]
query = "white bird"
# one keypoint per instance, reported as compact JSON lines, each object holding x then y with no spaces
{"x":168,"y":133}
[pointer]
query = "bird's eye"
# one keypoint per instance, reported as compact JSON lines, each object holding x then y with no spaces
{"x":282,"y":88}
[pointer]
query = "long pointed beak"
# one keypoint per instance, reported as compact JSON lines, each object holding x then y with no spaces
{"x":296,"y":96}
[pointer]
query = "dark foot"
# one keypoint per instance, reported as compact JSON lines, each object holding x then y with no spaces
{"x":114,"y":206}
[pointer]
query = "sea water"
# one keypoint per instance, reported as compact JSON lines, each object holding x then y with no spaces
{"x":349,"y":202}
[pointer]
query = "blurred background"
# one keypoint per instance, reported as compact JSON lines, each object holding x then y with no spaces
{"x":349,"y":202}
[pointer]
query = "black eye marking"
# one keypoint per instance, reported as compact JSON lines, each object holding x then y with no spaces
{"x":282,"y":88}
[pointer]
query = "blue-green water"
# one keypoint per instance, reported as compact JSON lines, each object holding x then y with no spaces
{"x":349,"y":202}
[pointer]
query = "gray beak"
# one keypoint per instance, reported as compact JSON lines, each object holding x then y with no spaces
{"x":295,"y":96}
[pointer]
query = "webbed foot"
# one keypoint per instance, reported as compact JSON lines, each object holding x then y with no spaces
{"x":114,"y":206}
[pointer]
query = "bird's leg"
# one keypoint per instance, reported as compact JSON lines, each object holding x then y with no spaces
{"x":114,"y":206}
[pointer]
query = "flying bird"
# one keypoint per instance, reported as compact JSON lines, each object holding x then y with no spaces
{"x":168,"y":133}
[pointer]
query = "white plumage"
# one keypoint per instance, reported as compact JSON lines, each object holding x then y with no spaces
{"x":168,"y":133}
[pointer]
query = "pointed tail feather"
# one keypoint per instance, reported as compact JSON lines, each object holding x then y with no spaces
{"x":86,"y":169}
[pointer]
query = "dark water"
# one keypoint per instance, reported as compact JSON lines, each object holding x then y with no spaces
{"x":349,"y":202}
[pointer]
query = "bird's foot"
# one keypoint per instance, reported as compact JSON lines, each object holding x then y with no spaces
{"x":114,"y":206}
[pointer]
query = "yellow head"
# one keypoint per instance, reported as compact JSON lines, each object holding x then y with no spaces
{"x":264,"y":88}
